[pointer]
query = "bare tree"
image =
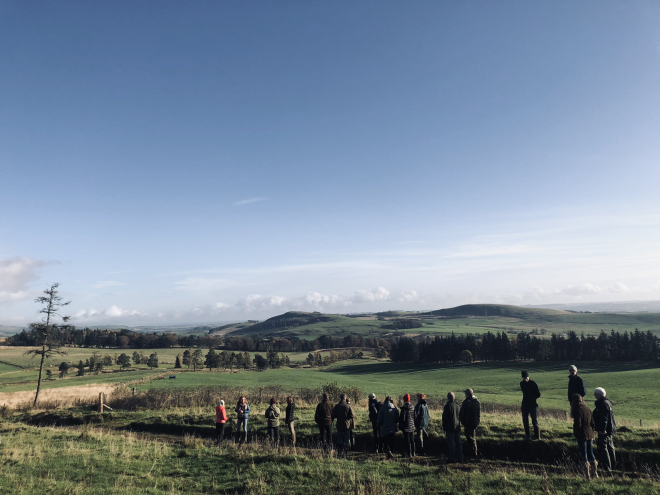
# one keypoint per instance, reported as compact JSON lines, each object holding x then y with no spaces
{"x":47,"y":330}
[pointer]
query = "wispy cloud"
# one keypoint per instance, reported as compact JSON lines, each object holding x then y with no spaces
{"x":107,"y":283}
{"x":15,"y":276}
{"x":248,"y":201}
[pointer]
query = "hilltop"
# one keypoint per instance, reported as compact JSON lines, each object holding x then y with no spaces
{"x":504,"y":310}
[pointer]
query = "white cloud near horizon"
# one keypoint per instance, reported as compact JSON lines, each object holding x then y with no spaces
{"x":16,"y":274}
{"x":248,"y":201}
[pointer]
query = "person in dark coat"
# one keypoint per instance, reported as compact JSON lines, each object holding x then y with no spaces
{"x":374,"y":407}
{"x":470,"y":416}
{"x":351,"y":428}
{"x":388,"y":419}
{"x":606,"y":427}
{"x":583,"y":430}
{"x":452,"y":425}
{"x":273,"y":416}
{"x":421,"y":421}
{"x":407,"y":425}
{"x":343,"y":413}
{"x":575,"y":383}
{"x":323,"y":418}
{"x":289,"y":418}
{"x":530,"y":393}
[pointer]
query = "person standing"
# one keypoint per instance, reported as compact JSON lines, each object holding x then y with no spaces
{"x":421,"y":421}
{"x":323,"y":418}
{"x":289,"y":418}
{"x":351,"y":429}
{"x":452,"y":426}
{"x":606,"y":427}
{"x":575,"y":384}
{"x":407,"y":426}
{"x":388,"y":418}
{"x":530,"y":393}
{"x":470,"y":416}
{"x":583,"y":430}
{"x":374,"y":407}
{"x":220,"y":422}
{"x":343,"y":413}
{"x":242,"y":415}
{"x":273,"y":417}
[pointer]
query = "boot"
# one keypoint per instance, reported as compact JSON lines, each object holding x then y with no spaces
{"x":595,"y":469}
{"x":588,"y":473}
{"x":527,"y":437}
{"x":537,"y":433}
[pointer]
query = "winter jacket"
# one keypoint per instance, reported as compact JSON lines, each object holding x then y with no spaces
{"x":374,"y":407}
{"x":530,"y":391}
{"x":576,"y":386}
{"x":604,"y":417}
{"x":343,"y":413}
{"x":470,"y":414}
{"x":289,"y":413}
{"x":388,"y":419}
{"x":407,"y":418}
{"x":583,"y":423}
{"x":243,"y":411}
{"x":323,"y":416}
{"x":273,"y":416}
{"x":450,"y":417}
{"x":422,"y":415}
{"x":220,"y":414}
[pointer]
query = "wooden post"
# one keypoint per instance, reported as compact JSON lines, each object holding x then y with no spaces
{"x":640,"y":422}
{"x":100,"y":402}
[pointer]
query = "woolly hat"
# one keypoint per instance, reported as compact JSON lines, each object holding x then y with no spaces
{"x":272,"y":400}
{"x":221,"y":402}
{"x":572,"y":367}
{"x":372,"y":396}
{"x":406,"y":398}
{"x":524,"y":374}
{"x":600,"y":392}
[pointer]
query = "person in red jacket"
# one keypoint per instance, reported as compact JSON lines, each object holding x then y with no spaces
{"x":220,"y":421}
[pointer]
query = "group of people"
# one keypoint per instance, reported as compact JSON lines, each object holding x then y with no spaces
{"x":413,"y":421}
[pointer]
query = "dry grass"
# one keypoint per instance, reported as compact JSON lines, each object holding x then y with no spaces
{"x":61,"y":397}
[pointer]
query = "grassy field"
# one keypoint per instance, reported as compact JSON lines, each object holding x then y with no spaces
{"x":172,"y":451}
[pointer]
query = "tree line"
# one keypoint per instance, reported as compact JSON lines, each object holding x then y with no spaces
{"x":615,"y":346}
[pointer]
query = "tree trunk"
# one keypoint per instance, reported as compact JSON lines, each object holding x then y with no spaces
{"x":41,"y":369}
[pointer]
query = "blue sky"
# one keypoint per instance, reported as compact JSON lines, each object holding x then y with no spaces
{"x":179,"y":162}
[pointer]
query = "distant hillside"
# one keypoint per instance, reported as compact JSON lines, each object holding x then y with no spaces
{"x":497,"y":310}
{"x":289,"y":320}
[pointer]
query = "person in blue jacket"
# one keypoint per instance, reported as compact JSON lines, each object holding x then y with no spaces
{"x":242,"y":415}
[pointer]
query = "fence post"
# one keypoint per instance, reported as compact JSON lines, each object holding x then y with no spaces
{"x":640,"y":422}
{"x":100,"y":402}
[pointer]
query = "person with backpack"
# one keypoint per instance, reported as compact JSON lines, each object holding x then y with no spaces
{"x":374,"y":407}
{"x":605,"y":426}
{"x":220,"y":422}
{"x":421,"y":421}
{"x":323,"y":419}
{"x":289,"y":418}
{"x":407,"y":425}
{"x":388,"y":419}
{"x":470,"y":417}
{"x":530,"y":391}
{"x":242,"y":415}
{"x":343,"y":413}
{"x":452,"y":426}
{"x":583,"y":430}
{"x":273,"y":416}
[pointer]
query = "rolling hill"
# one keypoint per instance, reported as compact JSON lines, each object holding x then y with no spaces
{"x":498,"y":310}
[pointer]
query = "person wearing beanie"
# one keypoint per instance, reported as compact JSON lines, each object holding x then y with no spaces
{"x":407,"y":426}
{"x":470,"y":416}
{"x":289,"y":418}
{"x":583,"y":430}
{"x":388,"y":418}
{"x":605,"y":426}
{"x":273,"y":417}
{"x":343,"y":413}
{"x":421,"y":421}
{"x":452,"y":426}
{"x":323,"y":419}
{"x":575,"y":383}
{"x":220,"y":422}
{"x":530,"y":393}
{"x":374,"y":407}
